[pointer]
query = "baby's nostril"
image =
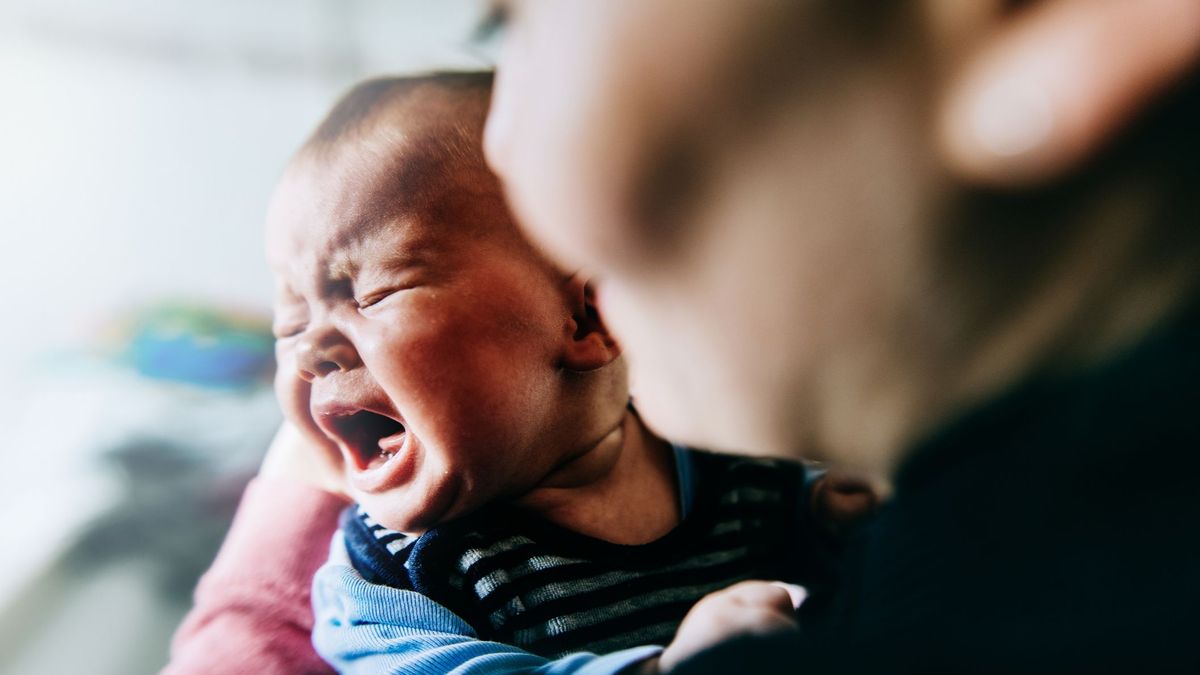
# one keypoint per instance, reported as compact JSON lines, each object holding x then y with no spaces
{"x":326,"y":367}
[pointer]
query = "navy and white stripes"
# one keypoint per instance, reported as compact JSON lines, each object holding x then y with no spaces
{"x":525,"y":582}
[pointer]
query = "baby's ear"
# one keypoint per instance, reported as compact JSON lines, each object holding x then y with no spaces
{"x":588,"y":343}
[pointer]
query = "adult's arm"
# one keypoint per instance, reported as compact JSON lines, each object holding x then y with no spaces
{"x":252,"y":610}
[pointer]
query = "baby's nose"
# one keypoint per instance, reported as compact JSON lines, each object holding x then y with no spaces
{"x":323,"y":352}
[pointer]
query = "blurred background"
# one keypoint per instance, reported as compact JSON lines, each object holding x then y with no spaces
{"x":139,"y":143}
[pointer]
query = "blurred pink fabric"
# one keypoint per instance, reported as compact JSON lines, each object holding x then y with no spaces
{"x":252,"y":611}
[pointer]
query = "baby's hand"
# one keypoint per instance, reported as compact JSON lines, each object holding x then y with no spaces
{"x":294,"y":456}
{"x":747,"y":608}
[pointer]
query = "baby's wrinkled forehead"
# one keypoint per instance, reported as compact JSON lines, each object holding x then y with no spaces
{"x":407,"y":140}
{"x":433,"y":118}
{"x":400,"y":151}
{"x":332,"y":204}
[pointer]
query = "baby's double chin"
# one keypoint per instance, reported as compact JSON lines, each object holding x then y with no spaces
{"x":588,"y":465}
{"x":575,"y":477}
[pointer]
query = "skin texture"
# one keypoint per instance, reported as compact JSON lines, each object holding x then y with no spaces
{"x":404,"y":289}
{"x":779,"y":201}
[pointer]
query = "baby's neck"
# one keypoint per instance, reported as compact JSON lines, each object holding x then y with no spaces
{"x":623,"y":490}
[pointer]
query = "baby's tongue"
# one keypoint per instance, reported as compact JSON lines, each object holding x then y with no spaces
{"x":388,"y":447}
{"x":391,"y":444}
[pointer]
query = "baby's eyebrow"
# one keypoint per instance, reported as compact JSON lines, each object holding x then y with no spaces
{"x":343,"y":266}
{"x":373,"y":253}
{"x":353,"y":241}
{"x":405,"y":236}
{"x":409,"y":257}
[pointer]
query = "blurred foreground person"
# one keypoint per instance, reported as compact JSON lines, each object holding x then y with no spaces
{"x":953,"y":244}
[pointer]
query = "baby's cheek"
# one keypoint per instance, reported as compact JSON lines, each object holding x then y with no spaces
{"x":293,"y":396}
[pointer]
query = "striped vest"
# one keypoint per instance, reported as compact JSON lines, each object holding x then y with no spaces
{"x":526,"y":582}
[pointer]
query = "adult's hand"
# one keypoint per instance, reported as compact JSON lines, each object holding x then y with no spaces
{"x":293,"y":456}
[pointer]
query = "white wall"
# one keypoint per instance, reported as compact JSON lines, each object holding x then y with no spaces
{"x":139,"y":140}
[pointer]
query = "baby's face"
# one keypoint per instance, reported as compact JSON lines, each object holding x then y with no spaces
{"x":418,"y":335}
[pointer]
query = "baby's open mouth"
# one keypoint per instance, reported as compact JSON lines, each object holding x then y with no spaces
{"x":372,"y":439}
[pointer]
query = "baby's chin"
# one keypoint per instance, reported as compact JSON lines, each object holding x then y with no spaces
{"x":413,"y":510}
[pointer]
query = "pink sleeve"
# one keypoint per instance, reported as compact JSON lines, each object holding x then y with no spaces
{"x":252,"y":612}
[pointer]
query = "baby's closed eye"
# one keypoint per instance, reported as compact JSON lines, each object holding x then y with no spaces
{"x":288,"y":323}
{"x":377,"y":296}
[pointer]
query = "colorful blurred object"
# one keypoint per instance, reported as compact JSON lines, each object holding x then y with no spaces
{"x":199,"y":345}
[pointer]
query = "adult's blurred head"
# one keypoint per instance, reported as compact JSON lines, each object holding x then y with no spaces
{"x":823,"y":227}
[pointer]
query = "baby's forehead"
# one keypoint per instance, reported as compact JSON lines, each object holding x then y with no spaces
{"x":411,"y":189}
{"x":395,"y":151}
{"x":425,"y":180}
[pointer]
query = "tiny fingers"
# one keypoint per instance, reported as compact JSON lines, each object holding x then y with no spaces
{"x":771,"y":596}
{"x":797,"y":594}
{"x":746,"y":608}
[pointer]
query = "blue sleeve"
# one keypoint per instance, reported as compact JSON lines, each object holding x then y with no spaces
{"x":362,"y":627}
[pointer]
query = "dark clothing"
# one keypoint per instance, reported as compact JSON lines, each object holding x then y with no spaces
{"x":522,"y":581}
{"x":1053,"y":530}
